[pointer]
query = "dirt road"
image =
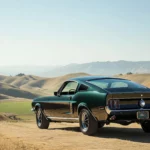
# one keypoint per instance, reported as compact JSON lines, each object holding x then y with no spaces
{"x":66,"y":136}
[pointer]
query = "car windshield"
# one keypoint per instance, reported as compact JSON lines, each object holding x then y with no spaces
{"x":116,"y":83}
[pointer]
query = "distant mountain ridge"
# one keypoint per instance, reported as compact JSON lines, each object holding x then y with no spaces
{"x":95,"y":68}
{"x":102,"y":68}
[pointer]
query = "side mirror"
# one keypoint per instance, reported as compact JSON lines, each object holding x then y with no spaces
{"x":55,"y":93}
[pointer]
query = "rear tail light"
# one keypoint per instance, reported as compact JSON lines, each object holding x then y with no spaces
{"x":114,"y":104}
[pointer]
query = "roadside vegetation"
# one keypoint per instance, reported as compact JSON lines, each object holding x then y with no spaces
{"x":16,"y":107}
{"x":16,"y":110}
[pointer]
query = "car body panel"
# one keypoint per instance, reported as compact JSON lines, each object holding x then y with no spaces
{"x":96,"y":100}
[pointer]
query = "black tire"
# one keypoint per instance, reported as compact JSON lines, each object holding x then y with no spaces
{"x":146,"y":126}
{"x":88,"y":124}
{"x":41,"y":121}
{"x":101,"y":124}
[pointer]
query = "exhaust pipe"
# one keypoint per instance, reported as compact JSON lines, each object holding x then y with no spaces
{"x":112,"y":118}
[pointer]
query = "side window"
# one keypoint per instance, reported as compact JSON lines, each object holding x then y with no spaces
{"x":119,"y":85}
{"x":83,"y":87}
{"x":70,"y":87}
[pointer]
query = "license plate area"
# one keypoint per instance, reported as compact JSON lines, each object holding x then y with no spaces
{"x":143,"y":115}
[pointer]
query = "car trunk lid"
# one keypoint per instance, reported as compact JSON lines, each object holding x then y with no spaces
{"x":128,"y":100}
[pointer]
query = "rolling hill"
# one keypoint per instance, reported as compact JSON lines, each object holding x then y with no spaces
{"x":29,"y":86}
{"x":12,"y":91}
{"x":143,"y":79}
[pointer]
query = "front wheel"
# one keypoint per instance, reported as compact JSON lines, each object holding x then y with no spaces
{"x":146,"y":126}
{"x":41,"y":121}
{"x":88,"y":124}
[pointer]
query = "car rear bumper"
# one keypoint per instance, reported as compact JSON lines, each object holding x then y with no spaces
{"x":130,"y":114}
{"x":126,"y":110}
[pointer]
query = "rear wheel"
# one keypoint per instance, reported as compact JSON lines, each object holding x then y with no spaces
{"x":88,"y":124}
{"x":101,"y":124}
{"x":41,"y":121}
{"x":146,"y":126}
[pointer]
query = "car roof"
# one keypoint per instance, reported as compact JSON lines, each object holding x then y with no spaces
{"x":87,"y":78}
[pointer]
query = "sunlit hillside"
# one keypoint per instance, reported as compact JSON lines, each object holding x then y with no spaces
{"x":29,"y":86}
{"x":143,"y":79}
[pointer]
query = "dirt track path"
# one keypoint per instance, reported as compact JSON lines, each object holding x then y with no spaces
{"x":66,"y":136}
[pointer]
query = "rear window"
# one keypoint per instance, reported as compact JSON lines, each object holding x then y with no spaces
{"x":115,"y":83}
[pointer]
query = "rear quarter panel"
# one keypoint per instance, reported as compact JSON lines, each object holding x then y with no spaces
{"x":95,"y":101}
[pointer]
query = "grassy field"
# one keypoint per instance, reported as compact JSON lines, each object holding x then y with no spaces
{"x":16,"y":107}
{"x":22,"y":109}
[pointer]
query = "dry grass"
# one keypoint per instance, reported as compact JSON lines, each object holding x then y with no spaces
{"x":67,"y":136}
{"x":14,"y":144}
{"x":143,"y":79}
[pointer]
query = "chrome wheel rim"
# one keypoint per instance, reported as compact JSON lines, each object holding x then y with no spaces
{"x":39,"y":117}
{"x":85,"y":121}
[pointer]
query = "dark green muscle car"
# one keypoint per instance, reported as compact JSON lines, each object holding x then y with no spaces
{"x":93,"y":102}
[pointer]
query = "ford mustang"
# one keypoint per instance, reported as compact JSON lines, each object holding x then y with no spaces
{"x":93,"y":102}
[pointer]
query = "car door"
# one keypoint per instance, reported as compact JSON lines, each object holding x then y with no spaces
{"x":66,"y":96}
{"x":61,"y":106}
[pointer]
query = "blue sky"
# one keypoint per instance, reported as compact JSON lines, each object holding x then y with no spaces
{"x":48,"y":32}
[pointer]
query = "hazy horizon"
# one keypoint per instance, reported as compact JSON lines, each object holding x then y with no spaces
{"x":38,"y":65}
{"x":51,"y":33}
